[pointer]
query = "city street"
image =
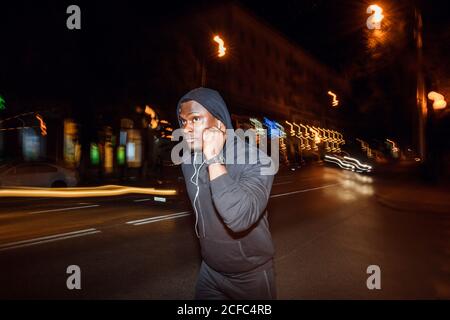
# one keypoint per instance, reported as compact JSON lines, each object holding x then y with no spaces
{"x":102,"y":105}
{"x":327,"y":226}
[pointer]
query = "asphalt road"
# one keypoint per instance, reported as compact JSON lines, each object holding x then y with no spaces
{"x":326,"y":224}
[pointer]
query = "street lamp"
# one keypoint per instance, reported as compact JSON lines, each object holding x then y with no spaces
{"x":154,"y":121}
{"x":439,"y":102}
{"x":377,"y":32}
{"x":374,"y":20}
{"x":221,"y":52}
{"x":221,"y":46}
{"x":335,"y":101}
{"x":42,"y":125}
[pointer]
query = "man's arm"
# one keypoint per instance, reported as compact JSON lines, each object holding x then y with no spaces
{"x":216,"y":170}
{"x":241,"y":202}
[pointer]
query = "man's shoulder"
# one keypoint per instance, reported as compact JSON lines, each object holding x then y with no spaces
{"x":247,"y":156}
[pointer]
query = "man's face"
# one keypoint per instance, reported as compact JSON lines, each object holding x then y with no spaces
{"x":194,"y":120}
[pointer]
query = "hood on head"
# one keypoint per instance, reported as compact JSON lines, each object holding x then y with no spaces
{"x":211,"y":100}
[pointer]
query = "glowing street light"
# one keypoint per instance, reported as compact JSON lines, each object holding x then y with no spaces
{"x":292,"y":131}
{"x":374,"y":20}
{"x":335,"y":101}
{"x":154,"y":121}
{"x":42,"y":125}
{"x":438,"y":99}
{"x":221,"y":51}
{"x":221,"y":46}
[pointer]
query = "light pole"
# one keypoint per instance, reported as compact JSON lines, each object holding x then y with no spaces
{"x":420,"y":91}
{"x":220,"y":53}
{"x":374,"y":25}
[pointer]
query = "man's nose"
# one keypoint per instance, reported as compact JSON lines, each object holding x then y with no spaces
{"x":187,"y":128}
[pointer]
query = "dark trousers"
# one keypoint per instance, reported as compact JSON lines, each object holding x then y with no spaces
{"x":252,"y":285}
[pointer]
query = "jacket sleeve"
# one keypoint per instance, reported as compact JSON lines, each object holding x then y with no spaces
{"x":241,"y":202}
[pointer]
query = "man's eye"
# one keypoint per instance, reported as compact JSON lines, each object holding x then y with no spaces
{"x":195,"y":119}
{"x":183,"y":121}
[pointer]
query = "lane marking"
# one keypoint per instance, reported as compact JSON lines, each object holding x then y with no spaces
{"x":46,"y":239}
{"x":301,"y":191}
{"x":158,"y":218}
{"x":64,"y":209}
{"x":285,"y":182}
{"x":141,"y":200}
{"x":186,"y":213}
{"x":166,"y":218}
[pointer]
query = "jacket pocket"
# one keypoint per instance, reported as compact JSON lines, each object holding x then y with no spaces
{"x":257,"y":246}
{"x":225,"y":255}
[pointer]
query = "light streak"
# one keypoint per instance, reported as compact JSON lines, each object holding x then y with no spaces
{"x":82,"y":192}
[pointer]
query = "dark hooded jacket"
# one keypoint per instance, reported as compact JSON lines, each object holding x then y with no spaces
{"x":232,"y":217}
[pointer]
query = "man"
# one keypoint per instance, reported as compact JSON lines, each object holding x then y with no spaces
{"x":229,"y":201}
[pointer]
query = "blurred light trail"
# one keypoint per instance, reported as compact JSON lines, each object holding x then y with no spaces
{"x":154,"y":121}
{"x":394,"y":146}
{"x":222,"y":49}
{"x":42,"y":125}
{"x":82,"y":192}
{"x":374,"y":21}
{"x":17,"y":116}
{"x":292,"y":131}
{"x":339,"y":162}
{"x":438,"y":99}
{"x":361,"y":165}
{"x":335,"y":101}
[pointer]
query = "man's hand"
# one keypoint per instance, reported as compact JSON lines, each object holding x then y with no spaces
{"x":213,"y":141}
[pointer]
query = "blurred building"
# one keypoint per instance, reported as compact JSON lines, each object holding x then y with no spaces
{"x":118,"y":120}
{"x":261,"y":73}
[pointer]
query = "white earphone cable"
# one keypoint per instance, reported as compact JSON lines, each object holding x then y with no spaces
{"x":196,"y":172}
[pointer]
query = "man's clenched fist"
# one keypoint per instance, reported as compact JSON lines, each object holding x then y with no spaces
{"x":213,"y":141}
